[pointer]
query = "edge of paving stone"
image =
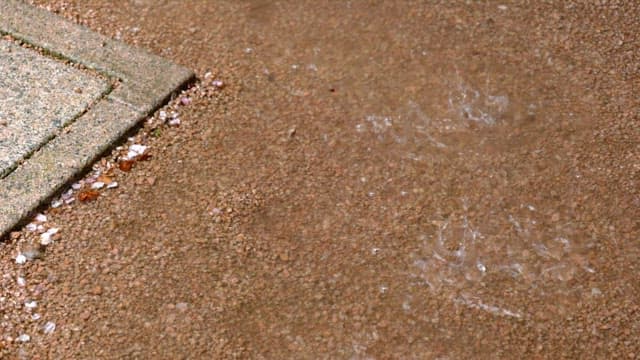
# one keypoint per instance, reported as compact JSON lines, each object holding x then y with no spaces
{"x":147,"y":82}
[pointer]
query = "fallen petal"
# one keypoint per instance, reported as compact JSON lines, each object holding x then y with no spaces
{"x":24,"y":338}
{"x":49,"y":327}
{"x":97,"y":185}
{"x":45,"y":239}
{"x":21,"y":259}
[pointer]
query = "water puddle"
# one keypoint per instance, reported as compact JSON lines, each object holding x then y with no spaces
{"x":533,"y":249}
{"x":461,"y":118}
{"x":527,"y":251}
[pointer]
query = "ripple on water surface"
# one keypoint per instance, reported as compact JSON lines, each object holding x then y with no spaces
{"x":463,"y":254}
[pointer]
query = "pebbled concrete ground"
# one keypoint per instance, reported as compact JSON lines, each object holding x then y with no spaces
{"x":444,"y":180}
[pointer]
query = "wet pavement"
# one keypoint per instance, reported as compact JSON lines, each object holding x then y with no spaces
{"x":389,"y":180}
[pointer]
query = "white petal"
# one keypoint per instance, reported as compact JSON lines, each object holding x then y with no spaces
{"x":45,"y":239}
{"x":97,"y":185}
{"x":140,"y":149}
{"x":49,"y":327}
{"x":21,"y":259}
{"x":31,"y":304}
{"x":112,"y":185}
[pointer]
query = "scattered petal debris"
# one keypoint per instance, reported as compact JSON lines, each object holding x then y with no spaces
{"x":41,"y":218}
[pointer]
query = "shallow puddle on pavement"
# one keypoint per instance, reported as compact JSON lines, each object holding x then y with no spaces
{"x":410,"y":182}
{"x":463,"y":253}
{"x":413,"y":119}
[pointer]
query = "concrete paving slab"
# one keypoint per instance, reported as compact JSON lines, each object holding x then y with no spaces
{"x":38,"y":96}
{"x":56,"y":119}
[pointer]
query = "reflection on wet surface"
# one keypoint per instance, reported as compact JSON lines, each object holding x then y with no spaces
{"x":416,"y":115}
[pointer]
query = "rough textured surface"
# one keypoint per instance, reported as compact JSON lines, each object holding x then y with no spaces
{"x":63,"y":158}
{"x":43,"y":96}
{"x":148,"y":79}
{"x":38,"y":96}
{"x":367,"y":180}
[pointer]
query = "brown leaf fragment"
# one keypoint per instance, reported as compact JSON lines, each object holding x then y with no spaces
{"x":125,"y":165}
{"x":88,"y":195}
